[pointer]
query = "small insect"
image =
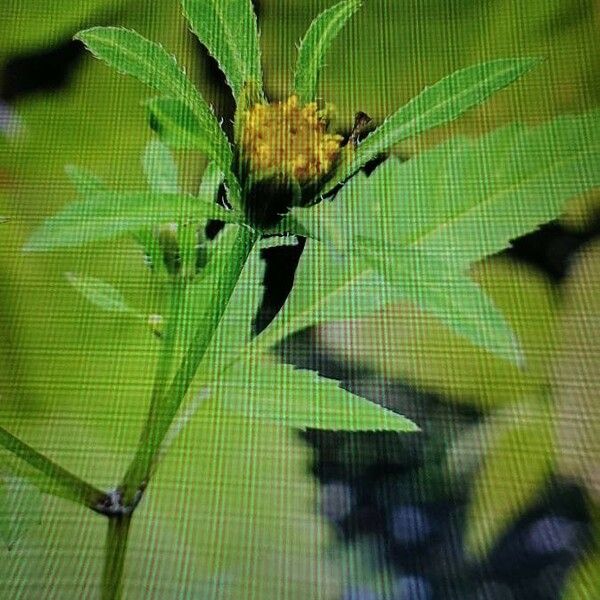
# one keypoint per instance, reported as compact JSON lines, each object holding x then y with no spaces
{"x":363,"y":124}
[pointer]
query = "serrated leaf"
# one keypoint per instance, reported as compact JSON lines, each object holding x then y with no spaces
{"x":229,"y":31}
{"x":436,"y":105}
{"x":518,"y":462}
{"x":131,"y":54}
{"x":328,"y":286}
{"x":319,"y":37}
{"x":100,"y":293}
{"x":422,"y":351}
{"x":258,"y":389}
{"x":160,"y":168}
{"x":105,"y":216}
{"x":181,"y":129}
{"x":422,"y":223}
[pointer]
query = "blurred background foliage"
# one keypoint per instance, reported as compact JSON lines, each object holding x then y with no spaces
{"x":74,"y":381}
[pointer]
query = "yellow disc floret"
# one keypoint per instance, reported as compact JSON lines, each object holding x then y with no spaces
{"x":287,"y":139}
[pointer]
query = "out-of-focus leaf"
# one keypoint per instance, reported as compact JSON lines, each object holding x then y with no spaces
{"x":435,"y":106}
{"x":518,"y":462}
{"x":84,"y":182}
{"x":259,"y":389}
{"x":104,"y":216}
{"x":319,"y":37}
{"x":160,"y":168}
{"x":100,"y":293}
{"x":230,"y":33}
{"x":576,"y":374}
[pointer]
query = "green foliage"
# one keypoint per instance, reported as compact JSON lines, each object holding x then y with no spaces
{"x":455,"y":205}
{"x":131,"y":54}
{"x":300,"y":399}
{"x":576,"y":375}
{"x":104,"y":216}
{"x":422,"y":254}
{"x":439,"y":360}
{"x":319,"y":37}
{"x":230,"y":33}
{"x":439,"y":104}
{"x":516,"y":465}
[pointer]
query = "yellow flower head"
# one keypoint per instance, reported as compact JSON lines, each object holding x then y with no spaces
{"x":287,"y":139}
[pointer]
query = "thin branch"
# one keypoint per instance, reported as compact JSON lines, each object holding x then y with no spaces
{"x":58,"y":480}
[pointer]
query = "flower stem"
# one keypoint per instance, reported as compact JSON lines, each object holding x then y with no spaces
{"x":225,"y":272}
{"x":114,"y":558}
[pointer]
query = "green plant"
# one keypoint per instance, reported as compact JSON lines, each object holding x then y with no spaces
{"x":366,"y":248}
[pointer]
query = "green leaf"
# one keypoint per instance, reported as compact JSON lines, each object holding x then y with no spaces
{"x":422,"y":351}
{"x":424,"y":222}
{"x":105,"y":216}
{"x":100,"y":293}
{"x":518,"y":462}
{"x":319,"y":37}
{"x":160,"y":168}
{"x":230,"y":33}
{"x":439,"y":104}
{"x":181,"y":129}
{"x":328,"y":286}
{"x":131,"y":54}
{"x":258,"y":389}
{"x":211,"y":180}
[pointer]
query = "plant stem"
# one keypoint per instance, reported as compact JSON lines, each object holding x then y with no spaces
{"x":57,"y":480}
{"x":166,"y":402}
{"x":114,"y":558}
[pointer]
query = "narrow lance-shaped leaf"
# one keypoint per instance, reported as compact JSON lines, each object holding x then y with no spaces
{"x":439,"y":104}
{"x":106,"y":216}
{"x":229,"y":31}
{"x":319,"y":37}
{"x":180,"y":128}
{"x":259,"y":389}
{"x":131,"y":54}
